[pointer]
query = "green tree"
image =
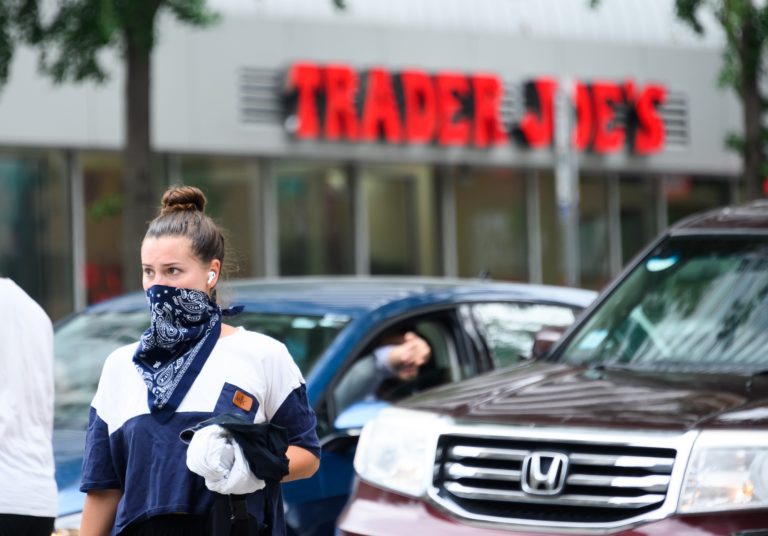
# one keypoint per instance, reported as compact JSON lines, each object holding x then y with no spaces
{"x":18,"y":24}
{"x":71,"y":39}
{"x":745,"y":24}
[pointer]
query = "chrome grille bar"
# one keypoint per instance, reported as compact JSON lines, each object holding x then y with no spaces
{"x":464,"y":451}
{"x":568,"y":499}
{"x":457,"y":470}
{"x":651,"y":483}
{"x":645,"y":462}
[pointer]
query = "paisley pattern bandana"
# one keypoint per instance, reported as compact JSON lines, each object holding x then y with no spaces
{"x":185,"y":325}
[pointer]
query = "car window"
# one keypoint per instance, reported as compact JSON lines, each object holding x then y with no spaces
{"x":305,"y":336}
{"x":81,"y":345}
{"x":694,"y":304}
{"x":509,"y":328}
{"x":363,"y":380}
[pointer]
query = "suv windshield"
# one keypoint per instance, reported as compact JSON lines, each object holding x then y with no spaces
{"x":83,"y":343}
{"x":694,"y":304}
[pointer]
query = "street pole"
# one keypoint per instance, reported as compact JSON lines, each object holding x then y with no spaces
{"x":567,"y":182}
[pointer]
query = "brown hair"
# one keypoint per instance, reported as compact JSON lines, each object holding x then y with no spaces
{"x":182,"y":213}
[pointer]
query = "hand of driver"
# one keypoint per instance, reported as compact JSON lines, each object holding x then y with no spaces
{"x":407,"y":357}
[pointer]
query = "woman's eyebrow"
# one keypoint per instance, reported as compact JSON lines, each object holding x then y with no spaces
{"x":162,"y":265}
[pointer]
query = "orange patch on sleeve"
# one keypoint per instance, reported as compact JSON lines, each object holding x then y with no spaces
{"x":242,"y":401}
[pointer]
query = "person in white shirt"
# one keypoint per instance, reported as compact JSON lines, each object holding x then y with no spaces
{"x":28,"y":497}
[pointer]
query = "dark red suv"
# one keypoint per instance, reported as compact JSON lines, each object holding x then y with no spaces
{"x":649,"y":417}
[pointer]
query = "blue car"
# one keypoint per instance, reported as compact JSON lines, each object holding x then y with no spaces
{"x":329,"y":325}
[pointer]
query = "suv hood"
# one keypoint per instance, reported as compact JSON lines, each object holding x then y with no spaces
{"x":540,"y":393}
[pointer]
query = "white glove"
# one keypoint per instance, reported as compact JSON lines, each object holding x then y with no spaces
{"x":215,"y":455}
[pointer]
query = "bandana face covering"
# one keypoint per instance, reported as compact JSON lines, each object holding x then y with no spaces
{"x":184,"y":328}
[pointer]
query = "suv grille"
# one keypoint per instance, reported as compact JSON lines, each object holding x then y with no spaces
{"x":589,"y":484}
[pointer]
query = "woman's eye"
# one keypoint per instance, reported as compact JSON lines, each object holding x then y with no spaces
{"x":173,"y":271}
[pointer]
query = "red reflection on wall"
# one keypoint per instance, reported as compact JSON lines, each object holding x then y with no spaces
{"x":102,"y":281}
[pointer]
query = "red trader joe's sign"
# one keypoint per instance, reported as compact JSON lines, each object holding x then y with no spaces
{"x":336,"y":103}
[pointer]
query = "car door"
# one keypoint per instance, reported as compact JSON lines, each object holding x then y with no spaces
{"x":348,"y":405}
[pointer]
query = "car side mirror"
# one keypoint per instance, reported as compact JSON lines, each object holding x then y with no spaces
{"x":349,"y":424}
{"x":544,"y":340}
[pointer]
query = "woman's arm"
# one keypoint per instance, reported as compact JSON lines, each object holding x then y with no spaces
{"x":99,"y":512}
{"x":301,"y":463}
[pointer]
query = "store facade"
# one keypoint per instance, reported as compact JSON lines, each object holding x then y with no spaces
{"x":357,"y":143}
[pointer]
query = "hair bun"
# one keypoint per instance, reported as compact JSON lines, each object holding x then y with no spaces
{"x":181,"y":199}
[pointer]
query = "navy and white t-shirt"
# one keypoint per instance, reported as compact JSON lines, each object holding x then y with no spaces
{"x":126,"y":448}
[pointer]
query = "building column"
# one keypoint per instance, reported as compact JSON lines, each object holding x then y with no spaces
{"x":361,"y":228}
{"x":269,"y":220}
{"x":447,"y":203}
{"x":533,"y":221}
{"x":616,"y":256}
{"x":662,"y":210}
{"x":77,"y":196}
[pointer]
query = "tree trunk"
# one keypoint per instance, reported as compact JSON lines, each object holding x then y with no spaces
{"x":752,"y":108}
{"x":139,"y":205}
{"x":753,"y":146}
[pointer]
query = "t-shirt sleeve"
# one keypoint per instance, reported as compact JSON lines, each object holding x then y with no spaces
{"x":98,"y":464}
{"x":288,"y":405}
{"x":98,"y":469}
{"x":297,"y":416}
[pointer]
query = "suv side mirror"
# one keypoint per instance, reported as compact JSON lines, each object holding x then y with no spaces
{"x":349,"y":424}
{"x":544,"y":340}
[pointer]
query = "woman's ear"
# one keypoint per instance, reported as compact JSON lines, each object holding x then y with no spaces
{"x":214,"y":272}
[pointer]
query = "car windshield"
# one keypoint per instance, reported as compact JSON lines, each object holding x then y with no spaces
{"x":83,"y":343}
{"x":695,"y":304}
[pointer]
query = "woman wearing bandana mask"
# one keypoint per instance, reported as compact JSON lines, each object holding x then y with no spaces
{"x":188,"y":367}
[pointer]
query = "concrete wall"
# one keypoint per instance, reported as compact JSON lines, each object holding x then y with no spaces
{"x":198,"y":74}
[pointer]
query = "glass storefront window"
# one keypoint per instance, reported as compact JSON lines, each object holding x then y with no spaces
{"x":638,"y":208}
{"x":315,"y":218}
{"x":552,"y":267}
{"x":232,"y":188}
{"x":491,"y":225}
{"x":594,"y":241}
{"x":35,"y":227}
{"x":102,"y":176}
{"x":687,"y":195}
{"x":402,"y":219}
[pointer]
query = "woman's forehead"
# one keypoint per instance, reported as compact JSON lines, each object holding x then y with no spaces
{"x":161,"y":248}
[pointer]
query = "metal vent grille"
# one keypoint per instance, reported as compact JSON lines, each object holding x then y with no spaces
{"x":512,"y":107}
{"x":674,"y":112}
{"x":603,"y":483}
{"x":259,"y":96}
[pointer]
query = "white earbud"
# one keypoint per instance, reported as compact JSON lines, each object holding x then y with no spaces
{"x":211,"y":275}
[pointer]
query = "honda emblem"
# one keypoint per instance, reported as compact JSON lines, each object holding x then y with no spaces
{"x":544,"y":473}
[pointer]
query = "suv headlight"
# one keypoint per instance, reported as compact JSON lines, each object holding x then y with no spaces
{"x":726,"y":471}
{"x":397,"y":450}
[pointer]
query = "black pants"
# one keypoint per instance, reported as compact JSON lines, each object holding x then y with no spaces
{"x":187,"y":525}
{"x":15,"y":525}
